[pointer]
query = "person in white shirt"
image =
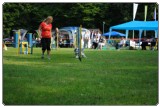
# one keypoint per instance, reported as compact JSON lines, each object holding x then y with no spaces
{"x":122,"y":43}
{"x":99,"y":35}
{"x":86,"y":39}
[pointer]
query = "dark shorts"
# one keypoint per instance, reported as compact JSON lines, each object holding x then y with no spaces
{"x":46,"y":43}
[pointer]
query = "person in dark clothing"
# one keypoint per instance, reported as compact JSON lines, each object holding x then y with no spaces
{"x":95,"y":42}
{"x":144,"y":44}
{"x":101,"y":43}
{"x":153,"y":43}
{"x":67,"y":42}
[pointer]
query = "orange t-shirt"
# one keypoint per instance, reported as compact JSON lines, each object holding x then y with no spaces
{"x":46,"y":30}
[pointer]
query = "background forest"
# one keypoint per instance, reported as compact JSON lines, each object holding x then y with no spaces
{"x":90,"y":15}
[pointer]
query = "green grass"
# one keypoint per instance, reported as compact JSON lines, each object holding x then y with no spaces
{"x":126,"y":77}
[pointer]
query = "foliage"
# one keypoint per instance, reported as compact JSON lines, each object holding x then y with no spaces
{"x":90,"y":15}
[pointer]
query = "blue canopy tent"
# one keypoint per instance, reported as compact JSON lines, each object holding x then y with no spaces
{"x":136,"y":25}
{"x":114,"y":34}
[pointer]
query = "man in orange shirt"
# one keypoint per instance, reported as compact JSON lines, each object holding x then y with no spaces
{"x":45,"y":31}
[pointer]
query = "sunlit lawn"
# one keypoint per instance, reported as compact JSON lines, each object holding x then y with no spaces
{"x":126,"y":77}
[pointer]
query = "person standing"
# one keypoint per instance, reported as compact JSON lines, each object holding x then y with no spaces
{"x":86,"y":39}
{"x":57,"y":39}
{"x":45,"y":31}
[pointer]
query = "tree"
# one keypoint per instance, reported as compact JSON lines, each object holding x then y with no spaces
{"x":90,"y":15}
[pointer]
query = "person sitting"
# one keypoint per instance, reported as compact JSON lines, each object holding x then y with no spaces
{"x":122,"y":43}
{"x":95,"y":42}
{"x":101,"y":43}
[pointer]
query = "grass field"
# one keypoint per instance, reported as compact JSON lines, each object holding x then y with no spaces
{"x":126,"y":77}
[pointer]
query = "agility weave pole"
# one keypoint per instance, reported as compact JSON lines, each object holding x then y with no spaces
{"x":79,"y":42}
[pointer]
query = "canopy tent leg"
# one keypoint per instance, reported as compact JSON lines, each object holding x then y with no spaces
{"x":145,"y":33}
{"x":140,"y":35}
{"x":127,"y":34}
{"x":156,"y":33}
{"x":110,"y":30}
{"x":133,"y":35}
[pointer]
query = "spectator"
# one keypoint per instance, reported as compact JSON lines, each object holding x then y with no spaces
{"x":101,"y":43}
{"x":144,"y":44}
{"x":98,"y":34}
{"x":92,"y":38}
{"x":91,"y":35}
{"x":95,"y":42}
{"x":86,"y":39}
{"x":56,"y":36}
{"x":122,"y":43}
{"x":153,"y":43}
{"x":60,"y":42}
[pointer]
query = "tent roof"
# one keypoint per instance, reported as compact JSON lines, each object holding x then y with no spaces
{"x":137,"y":25}
{"x":114,"y":33}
